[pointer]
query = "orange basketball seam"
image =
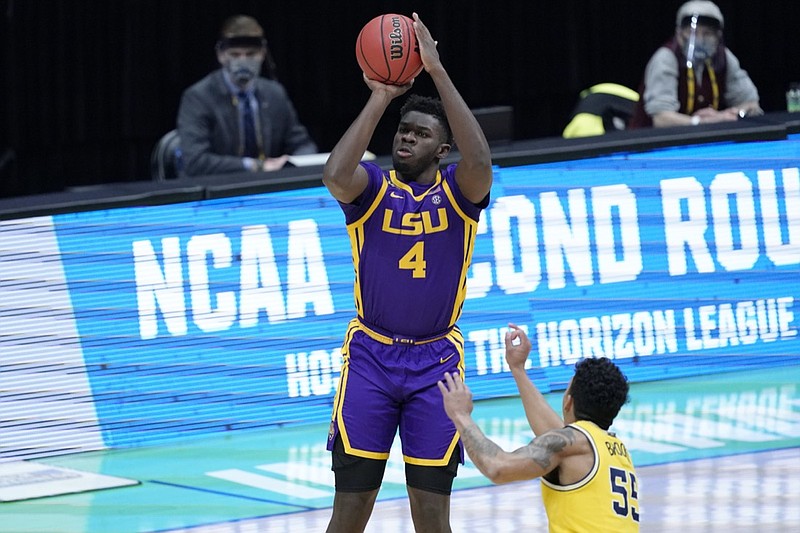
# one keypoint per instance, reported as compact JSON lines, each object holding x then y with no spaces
{"x":364,"y":56}
{"x":383,"y":49}
{"x":407,"y":50}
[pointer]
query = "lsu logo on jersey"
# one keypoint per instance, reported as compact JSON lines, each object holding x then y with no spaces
{"x":415,"y":223}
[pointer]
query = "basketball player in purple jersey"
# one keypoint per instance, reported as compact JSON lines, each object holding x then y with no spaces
{"x":412,"y":231}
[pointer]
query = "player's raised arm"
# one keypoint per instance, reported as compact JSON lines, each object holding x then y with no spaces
{"x":541,"y":456}
{"x":342,"y":175}
{"x":474,"y":171}
{"x":541,"y":417}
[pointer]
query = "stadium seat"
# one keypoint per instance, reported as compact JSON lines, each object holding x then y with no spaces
{"x":166,"y":161}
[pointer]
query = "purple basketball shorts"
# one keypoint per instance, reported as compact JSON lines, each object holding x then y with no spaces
{"x":384,"y":387}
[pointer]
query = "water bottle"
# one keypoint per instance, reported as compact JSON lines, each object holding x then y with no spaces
{"x":793,"y":98}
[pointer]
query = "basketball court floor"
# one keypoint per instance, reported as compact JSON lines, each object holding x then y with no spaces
{"x":714,"y":453}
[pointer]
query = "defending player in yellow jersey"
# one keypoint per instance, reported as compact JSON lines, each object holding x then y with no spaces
{"x":589,"y":483}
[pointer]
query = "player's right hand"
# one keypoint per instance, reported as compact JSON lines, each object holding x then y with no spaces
{"x":393,"y":91}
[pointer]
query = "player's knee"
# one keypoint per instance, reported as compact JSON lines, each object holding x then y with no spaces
{"x":353,"y":473}
{"x":437,"y":479}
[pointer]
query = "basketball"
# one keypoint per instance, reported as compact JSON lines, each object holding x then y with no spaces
{"x":387,"y":49}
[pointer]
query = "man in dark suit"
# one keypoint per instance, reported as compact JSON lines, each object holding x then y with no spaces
{"x":234,"y":119}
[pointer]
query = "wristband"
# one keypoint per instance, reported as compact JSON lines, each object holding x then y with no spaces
{"x":695,"y":120}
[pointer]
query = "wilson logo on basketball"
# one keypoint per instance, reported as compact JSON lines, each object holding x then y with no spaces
{"x":396,"y":40}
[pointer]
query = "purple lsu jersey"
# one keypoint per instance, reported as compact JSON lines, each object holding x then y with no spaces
{"x":412,"y":245}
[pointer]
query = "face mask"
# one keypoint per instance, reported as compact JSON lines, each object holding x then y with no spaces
{"x":702,"y":50}
{"x":698,"y":48}
{"x":243,"y":69}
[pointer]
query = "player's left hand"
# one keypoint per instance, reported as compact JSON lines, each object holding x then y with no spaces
{"x":456,"y":395}
{"x":427,"y":46}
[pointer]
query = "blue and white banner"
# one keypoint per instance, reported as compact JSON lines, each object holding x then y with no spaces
{"x":229,"y":314}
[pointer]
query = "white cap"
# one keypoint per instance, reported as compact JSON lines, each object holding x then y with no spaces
{"x":702,"y":8}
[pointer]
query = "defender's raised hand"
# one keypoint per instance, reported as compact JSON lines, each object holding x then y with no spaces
{"x":518,"y":347}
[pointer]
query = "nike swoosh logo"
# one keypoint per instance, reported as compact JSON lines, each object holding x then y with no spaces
{"x":395,"y":195}
{"x":443,"y":360}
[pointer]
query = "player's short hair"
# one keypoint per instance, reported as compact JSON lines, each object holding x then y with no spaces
{"x":428,"y":106}
{"x":599,"y":389}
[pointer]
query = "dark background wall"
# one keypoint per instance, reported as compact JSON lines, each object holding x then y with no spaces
{"x":88,"y":86}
